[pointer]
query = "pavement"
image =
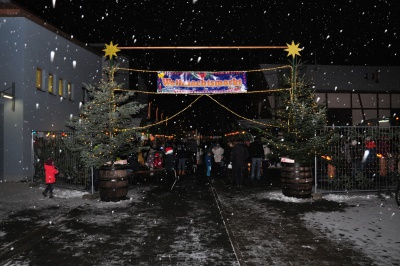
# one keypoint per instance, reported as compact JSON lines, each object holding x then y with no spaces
{"x":199,"y":222}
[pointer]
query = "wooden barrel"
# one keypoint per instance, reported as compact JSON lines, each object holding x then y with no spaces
{"x":297,"y":180}
{"x":113,"y":184}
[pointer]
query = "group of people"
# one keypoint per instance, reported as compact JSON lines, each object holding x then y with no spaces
{"x":220,"y":159}
{"x":228,"y":160}
{"x":183,"y":154}
{"x":368,"y":155}
{"x":233,"y":159}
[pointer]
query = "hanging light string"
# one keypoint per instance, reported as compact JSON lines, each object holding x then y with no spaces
{"x":157,"y":71}
{"x":244,"y":118}
{"x":198,"y":97}
{"x":292,"y":49}
{"x":195,"y":94}
{"x":166,"y":119}
{"x":190,"y":105}
{"x":248,"y":71}
{"x":203,"y":94}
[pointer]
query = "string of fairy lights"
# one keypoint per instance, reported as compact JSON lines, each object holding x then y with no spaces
{"x":191,"y":104}
{"x":157,"y":71}
{"x":168,"y":118}
{"x":209,"y":95}
{"x":111,"y":51}
{"x":193,"y":94}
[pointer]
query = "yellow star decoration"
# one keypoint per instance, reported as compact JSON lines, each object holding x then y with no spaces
{"x":293,"y":49}
{"x":111,"y":50}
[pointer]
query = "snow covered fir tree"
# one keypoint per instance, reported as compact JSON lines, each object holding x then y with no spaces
{"x":297,"y":132}
{"x":104,"y":130}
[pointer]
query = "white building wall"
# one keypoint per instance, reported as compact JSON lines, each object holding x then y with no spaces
{"x":24,"y":46}
{"x":354,"y":78}
{"x":371,"y":91}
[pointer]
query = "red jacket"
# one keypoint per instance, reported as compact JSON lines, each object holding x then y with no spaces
{"x":370,"y":144}
{"x":157,"y":164}
{"x":50,"y":172}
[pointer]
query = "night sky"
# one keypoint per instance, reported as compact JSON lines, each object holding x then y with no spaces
{"x":336,"y":32}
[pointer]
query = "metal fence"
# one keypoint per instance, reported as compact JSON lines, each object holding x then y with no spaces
{"x":360,"y":159}
{"x":47,"y":144}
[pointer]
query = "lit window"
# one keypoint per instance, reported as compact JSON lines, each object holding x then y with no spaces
{"x":38,"y":78}
{"x":50,"y":87}
{"x":69,"y":91}
{"x":60,"y":87}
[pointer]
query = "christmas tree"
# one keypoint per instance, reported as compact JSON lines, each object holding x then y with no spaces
{"x":104,"y":130}
{"x":298,"y":128}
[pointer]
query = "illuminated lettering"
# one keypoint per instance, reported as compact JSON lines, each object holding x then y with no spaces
{"x":213,"y":82}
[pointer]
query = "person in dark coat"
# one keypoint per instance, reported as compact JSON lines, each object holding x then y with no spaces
{"x":191,"y":147}
{"x":227,"y":160}
{"x":169,"y":164}
{"x":181,"y":156}
{"x":256,"y":150}
{"x":239,"y":156}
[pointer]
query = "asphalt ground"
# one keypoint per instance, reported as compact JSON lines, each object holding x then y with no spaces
{"x":199,"y":222}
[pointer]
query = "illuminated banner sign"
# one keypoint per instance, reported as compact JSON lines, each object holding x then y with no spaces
{"x":201,"y":82}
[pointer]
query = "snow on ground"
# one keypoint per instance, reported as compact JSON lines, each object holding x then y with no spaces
{"x":18,"y":196}
{"x":277,"y":195}
{"x":69,"y":193}
{"x":370,"y":223}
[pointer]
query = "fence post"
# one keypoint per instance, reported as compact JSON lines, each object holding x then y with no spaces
{"x":315,"y":168}
{"x":315,"y":175}
{"x":91,"y":168}
{"x":32,"y":157}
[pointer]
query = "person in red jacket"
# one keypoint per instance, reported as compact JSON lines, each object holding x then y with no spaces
{"x":50,"y":173}
{"x":158,"y":163}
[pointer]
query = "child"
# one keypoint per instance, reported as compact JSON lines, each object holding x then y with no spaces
{"x":150,"y":159}
{"x":50,"y":172}
{"x":208,"y":159}
{"x":157,"y":164}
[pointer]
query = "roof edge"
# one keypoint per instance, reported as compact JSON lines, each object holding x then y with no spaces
{"x":8,"y":9}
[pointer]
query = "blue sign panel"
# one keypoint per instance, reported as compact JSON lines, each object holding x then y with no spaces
{"x":201,"y":82}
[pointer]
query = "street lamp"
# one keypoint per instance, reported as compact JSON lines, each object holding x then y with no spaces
{"x":8,"y":95}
